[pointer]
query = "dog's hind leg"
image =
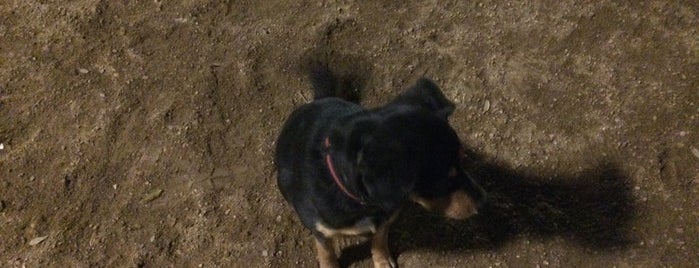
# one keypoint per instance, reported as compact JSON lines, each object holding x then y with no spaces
{"x":326,"y":253}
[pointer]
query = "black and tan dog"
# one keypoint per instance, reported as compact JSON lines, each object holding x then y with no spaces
{"x":348,"y":170}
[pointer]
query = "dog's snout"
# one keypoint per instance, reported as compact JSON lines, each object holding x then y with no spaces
{"x":460,"y":206}
{"x":466,"y":202}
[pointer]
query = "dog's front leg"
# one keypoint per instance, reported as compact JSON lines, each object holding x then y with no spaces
{"x":379,"y":249}
{"x":326,"y":253}
{"x":380,"y":254}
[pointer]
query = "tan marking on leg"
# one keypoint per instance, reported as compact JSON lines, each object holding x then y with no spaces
{"x":326,"y":254}
{"x":380,"y":253}
{"x":360,"y":228}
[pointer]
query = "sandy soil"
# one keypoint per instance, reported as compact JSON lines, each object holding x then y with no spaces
{"x":140,"y":133}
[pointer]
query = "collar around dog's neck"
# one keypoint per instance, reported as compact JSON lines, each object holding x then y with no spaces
{"x":333,"y":173}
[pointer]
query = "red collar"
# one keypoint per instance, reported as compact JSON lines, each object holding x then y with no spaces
{"x":329,"y":162}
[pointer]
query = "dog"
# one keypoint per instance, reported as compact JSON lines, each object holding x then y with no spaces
{"x":348,"y":170}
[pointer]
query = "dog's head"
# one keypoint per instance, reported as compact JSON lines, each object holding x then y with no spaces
{"x":414,"y":154}
{"x":427,"y":95}
{"x":445,"y":187}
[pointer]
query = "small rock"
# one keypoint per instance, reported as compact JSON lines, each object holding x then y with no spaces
{"x":37,"y":240}
{"x":486,"y":106}
{"x":695,"y":152}
{"x":2,"y":146}
{"x":83,"y":70}
{"x":265,"y":253}
{"x":279,"y":218}
{"x":153,"y":195}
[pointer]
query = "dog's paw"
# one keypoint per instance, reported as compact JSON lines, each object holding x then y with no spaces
{"x":328,"y":264}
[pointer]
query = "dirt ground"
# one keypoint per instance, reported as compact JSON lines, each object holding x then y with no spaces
{"x":141,"y":133}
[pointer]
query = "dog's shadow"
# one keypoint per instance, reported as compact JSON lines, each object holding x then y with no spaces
{"x":593,"y":209}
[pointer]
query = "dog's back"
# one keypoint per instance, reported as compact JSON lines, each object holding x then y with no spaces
{"x":306,"y":125}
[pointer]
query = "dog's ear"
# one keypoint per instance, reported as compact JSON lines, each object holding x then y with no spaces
{"x":426,"y":94}
{"x":385,"y":174}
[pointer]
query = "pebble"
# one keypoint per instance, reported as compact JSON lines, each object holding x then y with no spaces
{"x":2,"y":146}
{"x":37,"y":240}
{"x":279,"y":218}
{"x":486,"y":106}
{"x":83,"y":70}
{"x":152,"y":195}
{"x":265,"y":253}
{"x":695,"y":152}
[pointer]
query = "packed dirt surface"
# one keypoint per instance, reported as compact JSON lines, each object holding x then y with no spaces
{"x":141,"y":133}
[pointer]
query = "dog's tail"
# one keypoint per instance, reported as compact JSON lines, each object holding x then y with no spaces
{"x":327,"y":84}
{"x":324,"y":82}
